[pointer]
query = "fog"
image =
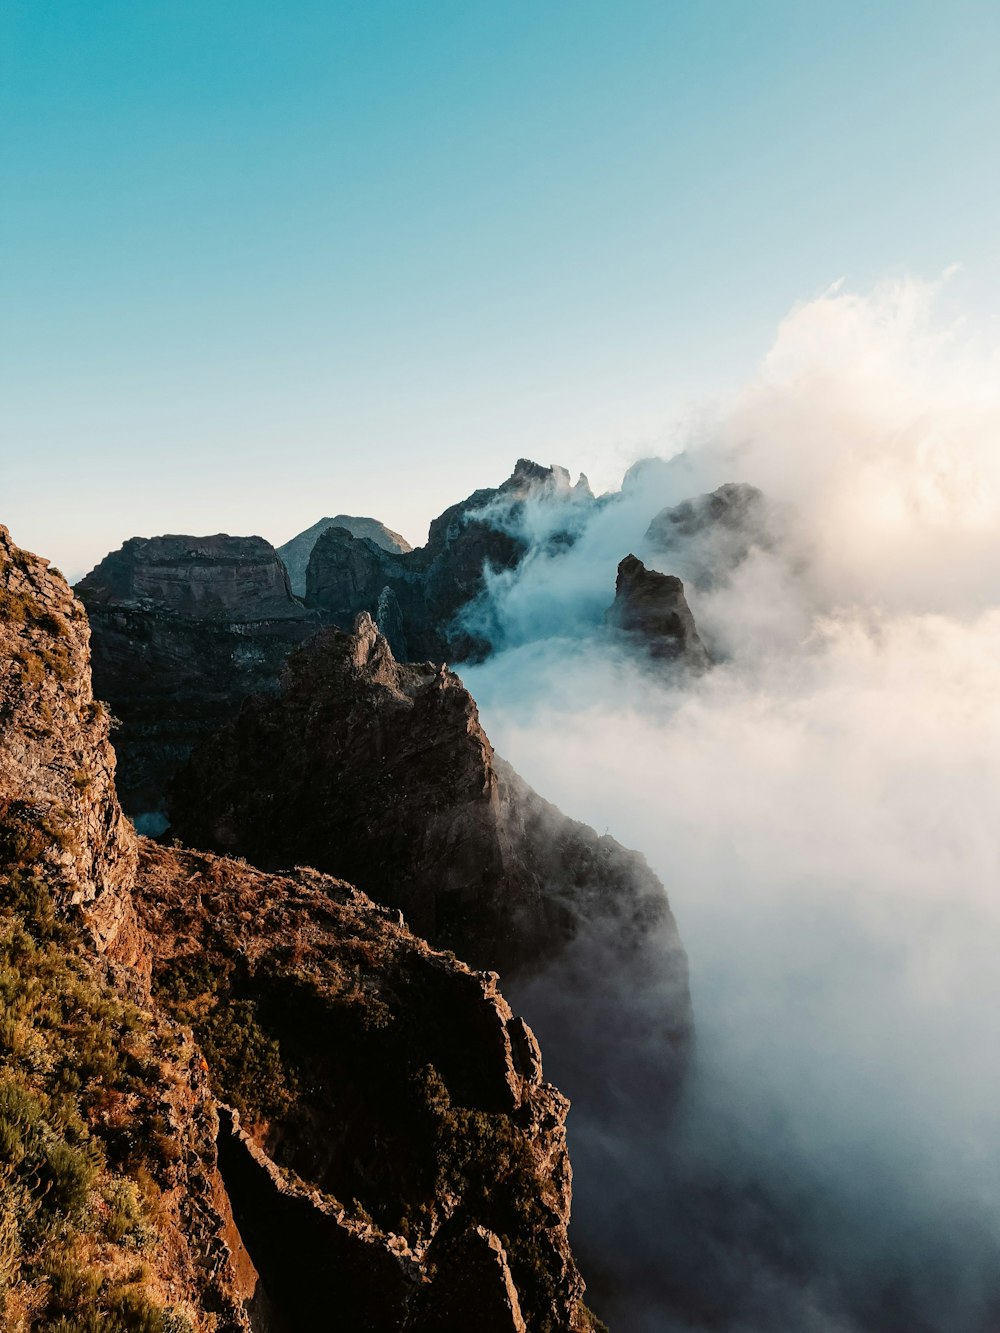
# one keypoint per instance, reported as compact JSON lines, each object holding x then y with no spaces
{"x":822,"y":808}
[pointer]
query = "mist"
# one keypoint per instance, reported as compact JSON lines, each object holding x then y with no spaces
{"x":822,"y":808}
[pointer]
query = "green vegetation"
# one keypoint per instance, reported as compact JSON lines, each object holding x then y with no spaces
{"x":78,"y":1189}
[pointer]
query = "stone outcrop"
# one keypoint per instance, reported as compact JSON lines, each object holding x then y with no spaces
{"x":437,"y":586}
{"x":356,"y":1132}
{"x":184,"y":628}
{"x":58,"y":808}
{"x":296,"y":552}
{"x":100,"y":1100}
{"x":712,"y":534}
{"x":651,"y":611}
{"x":394,"y":1131}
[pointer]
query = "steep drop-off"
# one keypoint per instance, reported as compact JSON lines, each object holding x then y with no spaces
{"x":381,"y":772}
{"x":369,"y":1108}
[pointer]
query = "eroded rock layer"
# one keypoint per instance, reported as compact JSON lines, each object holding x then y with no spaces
{"x":185,"y":628}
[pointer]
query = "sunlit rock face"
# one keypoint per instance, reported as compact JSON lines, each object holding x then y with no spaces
{"x":301,"y":1110}
{"x":57,"y":781}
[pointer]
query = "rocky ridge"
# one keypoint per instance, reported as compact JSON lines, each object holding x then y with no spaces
{"x":391,"y":1107}
{"x":380,"y":771}
{"x":436,"y":587}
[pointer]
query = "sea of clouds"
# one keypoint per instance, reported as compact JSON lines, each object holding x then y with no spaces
{"x":823,"y":807}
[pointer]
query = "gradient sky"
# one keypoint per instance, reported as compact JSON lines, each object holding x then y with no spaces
{"x":263,"y":262}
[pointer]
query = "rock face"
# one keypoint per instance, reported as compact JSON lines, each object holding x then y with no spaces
{"x":296,"y":553}
{"x":357,"y":1132}
{"x":712,"y":534}
{"x":58,"y":808}
{"x":437,"y":586}
{"x":381,"y":772}
{"x":396,"y":1157}
{"x":650,"y":610}
{"x":183,"y":629}
{"x":109,"y":1125}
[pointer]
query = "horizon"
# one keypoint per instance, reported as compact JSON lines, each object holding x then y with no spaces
{"x":346,"y":260}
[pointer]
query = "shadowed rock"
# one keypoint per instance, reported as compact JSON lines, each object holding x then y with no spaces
{"x":651,"y":610}
{"x":712,"y":534}
{"x":184,"y":628}
{"x":437,"y":584}
{"x":394,"y":1122}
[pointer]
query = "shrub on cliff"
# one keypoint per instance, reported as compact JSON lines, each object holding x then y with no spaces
{"x":76,"y":1173}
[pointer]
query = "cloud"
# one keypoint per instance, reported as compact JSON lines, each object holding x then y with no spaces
{"x":822,"y":808}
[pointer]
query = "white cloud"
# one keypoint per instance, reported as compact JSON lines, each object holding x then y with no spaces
{"x":823,"y":810}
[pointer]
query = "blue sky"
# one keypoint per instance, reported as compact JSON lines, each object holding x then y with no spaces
{"x":261,"y":262}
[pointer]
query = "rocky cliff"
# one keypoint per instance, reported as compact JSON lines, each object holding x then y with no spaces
{"x":296,"y":552}
{"x":183,"y":629}
{"x":437,"y":586}
{"x":58,"y":808}
{"x":393,"y":1124}
{"x":107,"y":1125}
{"x":232,"y":1100}
{"x":381,"y":772}
{"x":651,"y":612}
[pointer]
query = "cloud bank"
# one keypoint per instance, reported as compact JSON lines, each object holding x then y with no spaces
{"x":823,"y":809}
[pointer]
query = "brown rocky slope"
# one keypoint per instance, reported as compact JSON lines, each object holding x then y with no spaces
{"x":380,"y":771}
{"x":369,"y":1108}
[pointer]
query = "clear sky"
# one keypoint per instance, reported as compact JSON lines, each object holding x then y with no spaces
{"x":263,"y":262}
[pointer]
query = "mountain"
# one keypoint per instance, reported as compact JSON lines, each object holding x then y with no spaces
{"x":380,"y":772}
{"x":296,"y":552}
{"x":235,"y":1100}
{"x":709,"y":535}
{"x":184,"y":628}
{"x":437,"y":587}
